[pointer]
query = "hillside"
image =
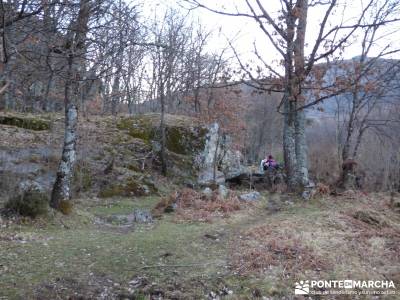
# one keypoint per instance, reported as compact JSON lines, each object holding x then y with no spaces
{"x":205,"y":247}
{"x":385,"y":73}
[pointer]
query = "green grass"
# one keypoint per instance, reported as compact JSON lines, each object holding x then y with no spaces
{"x":77,"y":252}
{"x":123,"y":205}
{"x":74,"y":247}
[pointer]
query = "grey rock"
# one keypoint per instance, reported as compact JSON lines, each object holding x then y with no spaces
{"x":30,"y":185}
{"x":207,"y":192}
{"x":306,"y":195}
{"x":210,"y":148}
{"x":142,"y":216}
{"x":310,"y":184}
{"x":231,"y":163}
{"x":218,"y":147}
{"x":206,"y":177}
{"x":146,"y":189}
{"x":223,"y":192}
{"x":17,"y":165}
{"x":252,"y":196}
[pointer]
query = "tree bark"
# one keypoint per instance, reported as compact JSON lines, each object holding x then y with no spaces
{"x":301,"y":149}
{"x":61,"y":194}
{"x":300,"y":122}
{"x":289,"y":144}
{"x":163,"y":155}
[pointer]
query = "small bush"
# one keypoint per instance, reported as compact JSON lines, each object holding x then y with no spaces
{"x":31,"y":203}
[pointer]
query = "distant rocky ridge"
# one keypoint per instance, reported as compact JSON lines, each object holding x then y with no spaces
{"x":390,"y":68}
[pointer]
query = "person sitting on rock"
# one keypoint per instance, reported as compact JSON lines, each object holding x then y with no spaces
{"x":270,"y":163}
{"x":262,"y":164}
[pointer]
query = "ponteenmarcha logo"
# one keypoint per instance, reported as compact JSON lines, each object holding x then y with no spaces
{"x":302,"y":288}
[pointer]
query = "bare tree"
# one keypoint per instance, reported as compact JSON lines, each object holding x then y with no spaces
{"x":285,"y":29}
{"x":74,"y":49}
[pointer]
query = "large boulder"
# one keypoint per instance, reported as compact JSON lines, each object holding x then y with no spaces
{"x":218,"y":152}
{"x":185,"y":140}
{"x":183,"y":135}
{"x":193,"y":150}
{"x":206,"y":177}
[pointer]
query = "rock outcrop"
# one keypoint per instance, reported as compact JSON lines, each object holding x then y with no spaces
{"x":193,"y":151}
{"x":117,"y":156}
{"x":22,"y":121}
{"x":218,"y":161}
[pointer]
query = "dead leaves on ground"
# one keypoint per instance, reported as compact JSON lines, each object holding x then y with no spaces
{"x":263,"y":247}
{"x":191,"y":205}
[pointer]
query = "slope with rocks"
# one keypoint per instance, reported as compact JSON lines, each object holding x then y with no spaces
{"x":116,"y":156}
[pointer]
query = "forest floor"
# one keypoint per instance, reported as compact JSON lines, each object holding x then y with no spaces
{"x":259,"y":251}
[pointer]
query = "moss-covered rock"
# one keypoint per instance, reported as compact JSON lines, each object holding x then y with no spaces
{"x":138,"y":127}
{"x":182,"y":140}
{"x":130,"y":187}
{"x":24,"y":122}
{"x":185,"y":140}
{"x":182,"y":136}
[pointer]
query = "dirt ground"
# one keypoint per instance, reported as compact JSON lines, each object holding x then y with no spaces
{"x":257,"y":252}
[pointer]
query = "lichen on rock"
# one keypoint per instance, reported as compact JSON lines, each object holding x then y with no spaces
{"x":182,"y":135}
{"x":25,"y":122}
{"x":132,"y":186}
{"x":192,"y":149}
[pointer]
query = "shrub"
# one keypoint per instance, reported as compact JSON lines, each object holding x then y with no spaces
{"x":31,"y":203}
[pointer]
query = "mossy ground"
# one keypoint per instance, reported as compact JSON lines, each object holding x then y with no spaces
{"x":70,"y":256}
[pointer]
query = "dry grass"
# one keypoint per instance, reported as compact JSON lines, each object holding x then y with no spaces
{"x":264,"y":247}
{"x":355,"y":235}
{"x":194,"y":206}
{"x":322,"y":189}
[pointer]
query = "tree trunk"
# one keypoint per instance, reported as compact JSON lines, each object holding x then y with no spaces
{"x":115,"y":99}
{"x":289,"y":145}
{"x":48,"y":105}
{"x":301,"y":149}
{"x":163,"y":137}
{"x":350,"y":128}
{"x":61,"y":194}
{"x":299,"y":76}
